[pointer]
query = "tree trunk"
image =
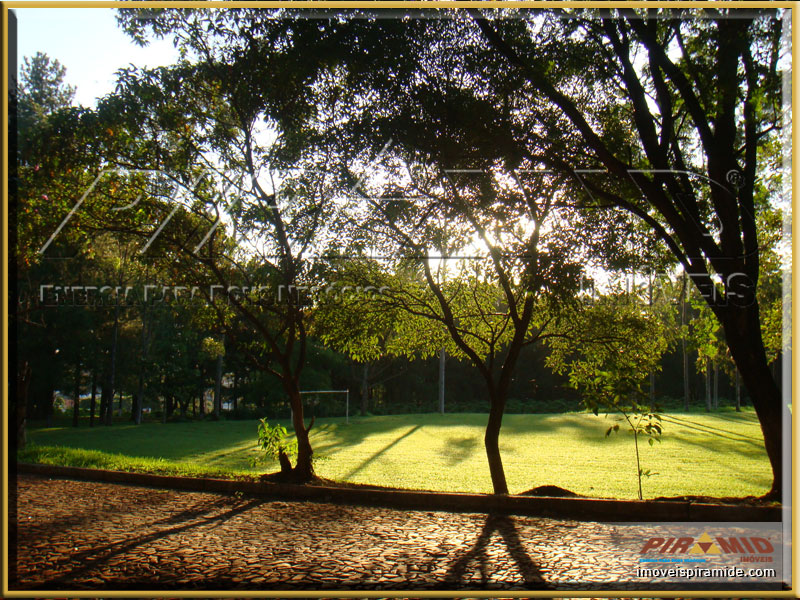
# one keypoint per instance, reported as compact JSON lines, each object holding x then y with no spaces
{"x":23,"y":384}
{"x":50,"y":404}
{"x":104,"y":400}
{"x":93,"y":401}
{"x":743,"y":335}
{"x":138,"y":405}
{"x":738,"y":391}
{"x":365,"y":390}
{"x":218,"y":388}
{"x":491,"y":441}
{"x":284,"y":462}
{"x":113,"y":371}
{"x":138,"y":402}
{"x":76,"y":401}
{"x":304,"y":468}
{"x":708,"y":384}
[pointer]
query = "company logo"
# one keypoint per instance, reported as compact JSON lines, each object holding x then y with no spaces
{"x":755,"y":547}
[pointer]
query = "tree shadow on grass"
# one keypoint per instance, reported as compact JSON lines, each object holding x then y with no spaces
{"x":381,"y":451}
{"x":715,"y":431}
{"x":459,"y":449}
{"x":717,"y":444}
{"x":97,"y":557}
{"x":459,"y":577}
{"x":329,"y":436}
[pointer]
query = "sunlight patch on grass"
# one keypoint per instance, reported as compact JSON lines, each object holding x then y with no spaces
{"x":717,"y":454}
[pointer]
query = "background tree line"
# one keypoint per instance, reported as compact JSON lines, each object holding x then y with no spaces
{"x":478,"y":93}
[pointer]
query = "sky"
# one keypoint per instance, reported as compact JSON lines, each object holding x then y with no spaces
{"x":88,"y":42}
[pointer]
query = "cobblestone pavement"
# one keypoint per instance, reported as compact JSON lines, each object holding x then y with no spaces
{"x":89,"y":535}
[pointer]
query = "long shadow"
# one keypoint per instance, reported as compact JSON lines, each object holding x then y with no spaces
{"x":327,"y":435}
{"x":379,"y":452}
{"x":718,"y":444}
{"x":110,"y":550}
{"x":710,"y":429}
{"x":221,"y":456}
{"x":741,"y":417}
{"x":504,"y":525}
{"x":727,"y":448}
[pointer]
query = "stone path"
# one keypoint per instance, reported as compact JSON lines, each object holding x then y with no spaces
{"x":88,"y":535}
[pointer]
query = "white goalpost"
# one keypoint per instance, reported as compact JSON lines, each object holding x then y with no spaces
{"x":346,"y":402}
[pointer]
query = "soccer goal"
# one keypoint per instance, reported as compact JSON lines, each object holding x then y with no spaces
{"x":328,"y":393}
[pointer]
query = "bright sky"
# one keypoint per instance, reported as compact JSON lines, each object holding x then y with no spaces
{"x":88,"y":42}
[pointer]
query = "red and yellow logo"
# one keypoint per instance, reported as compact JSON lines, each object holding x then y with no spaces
{"x":706,"y":545}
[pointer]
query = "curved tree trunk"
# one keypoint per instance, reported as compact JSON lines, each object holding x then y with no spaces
{"x":748,"y":353}
{"x":491,"y":440}
{"x":304,"y":468}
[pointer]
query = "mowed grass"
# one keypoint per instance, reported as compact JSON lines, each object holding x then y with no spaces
{"x":720,"y":454}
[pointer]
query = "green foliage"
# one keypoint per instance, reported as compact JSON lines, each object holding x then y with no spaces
{"x":620,"y":342}
{"x":212,"y":348}
{"x":42,"y":88}
{"x":272,"y":440}
{"x":608,"y":349}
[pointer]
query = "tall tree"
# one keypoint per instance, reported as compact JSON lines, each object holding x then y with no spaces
{"x":482,"y":290}
{"x":47,"y":171}
{"x":681,"y":112}
{"x":239,"y":215}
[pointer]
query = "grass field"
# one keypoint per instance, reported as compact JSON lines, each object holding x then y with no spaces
{"x":719,"y":454}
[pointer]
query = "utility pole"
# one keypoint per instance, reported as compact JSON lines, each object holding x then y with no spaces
{"x":441,"y":380}
{"x":716,"y":386}
{"x":652,"y":372}
{"x":218,"y":381}
{"x":683,"y":344}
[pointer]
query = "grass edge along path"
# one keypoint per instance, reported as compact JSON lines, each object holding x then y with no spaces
{"x":718,"y":454}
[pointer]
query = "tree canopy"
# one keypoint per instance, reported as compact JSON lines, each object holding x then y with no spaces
{"x":463,"y":170}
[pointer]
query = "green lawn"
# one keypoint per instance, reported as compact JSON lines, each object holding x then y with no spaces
{"x":719,"y":454}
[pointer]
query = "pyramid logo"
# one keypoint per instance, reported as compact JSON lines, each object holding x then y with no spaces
{"x":704,"y":545}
